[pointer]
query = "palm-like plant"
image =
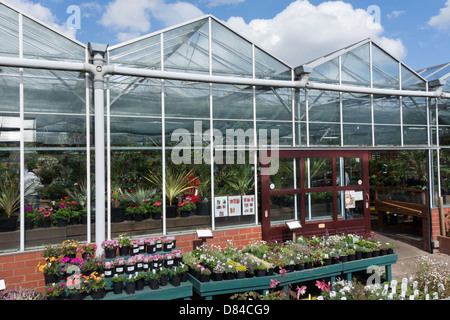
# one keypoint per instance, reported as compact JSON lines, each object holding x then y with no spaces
{"x":139,"y":195}
{"x":10,"y":195}
{"x":177,"y":181}
{"x":240,"y":179}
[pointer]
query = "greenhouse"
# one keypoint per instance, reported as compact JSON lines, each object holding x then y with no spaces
{"x":198,"y":117}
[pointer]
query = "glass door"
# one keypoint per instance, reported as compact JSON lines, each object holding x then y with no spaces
{"x":326,"y":191}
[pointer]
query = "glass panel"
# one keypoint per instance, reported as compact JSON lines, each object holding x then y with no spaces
{"x":231,"y":54}
{"x":444,"y":156}
{"x":186,"y":99}
{"x":386,"y":109}
{"x":327,"y":72}
{"x":411,"y":81}
{"x":145,"y":53}
{"x":414,"y":110}
{"x":387,"y":136}
{"x":350,"y":204}
{"x":273,"y":104}
{"x":324,"y":106}
{"x":9,"y":31}
{"x":65,"y":92}
{"x":357,"y":135}
{"x":135,"y":96}
{"x":233,"y":183}
{"x":9,"y":93}
{"x":444,"y":135}
{"x":318,"y":172}
{"x":284,"y":178}
{"x":133,"y":131}
{"x":385,"y":69}
{"x":444,"y":112}
{"x":319,"y":205}
{"x":300,"y":133}
{"x":131,"y":189}
{"x":415,"y":135}
{"x":282,"y":208}
{"x":232,"y":102}
{"x":186,"y":48}
{"x":9,"y":181}
{"x":324,"y":134}
{"x":185,"y":133}
{"x":55,"y":130}
{"x":233,"y":133}
{"x":274,"y":133}
{"x":355,"y":66}
{"x":41,"y":42}
{"x":267,"y":67}
{"x":356,"y":108}
{"x":351,"y":169}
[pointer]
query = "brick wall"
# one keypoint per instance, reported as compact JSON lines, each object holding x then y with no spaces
{"x":436,"y":224}
{"x":20,"y":269}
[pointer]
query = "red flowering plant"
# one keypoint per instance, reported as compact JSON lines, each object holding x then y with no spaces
{"x":54,"y":289}
{"x":186,"y":205}
{"x":68,"y":209}
{"x":44,"y":214}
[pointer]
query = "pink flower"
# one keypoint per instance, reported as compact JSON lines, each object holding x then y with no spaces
{"x":323,"y":286}
{"x":300,"y":291}
{"x":274,"y":283}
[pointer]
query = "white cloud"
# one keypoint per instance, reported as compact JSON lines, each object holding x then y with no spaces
{"x":217,"y":3}
{"x":42,"y":14}
{"x":442,"y":20}
{"x":303,"y":31}
{"x":135,"y":17}
{"x":395,"y":14}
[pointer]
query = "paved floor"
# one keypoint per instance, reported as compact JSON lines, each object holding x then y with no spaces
{"x":406,"y":254}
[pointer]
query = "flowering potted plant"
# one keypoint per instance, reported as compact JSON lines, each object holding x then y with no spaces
{"x":156,"y":210}
{"x":217,"y":273}
{"x":50,"y":268}
{"x":87,"y":250}
{"x":130,"y":265}
{"x":97,"y":285}
{"x":30,"y":217}
{"x":69,"y":248}
{"x":54,"y":291}
{"x":151,"y":245}
{"x":108,"y":268}
{"x":110,"y":248}
{"x":119,"y":265}
{"x":76,"y":285}
{"x":91,"y":265}
{"x":168,"y":243}
{"x":186,"y":208}
{"x":44,"y":217}
{"x":139,"y":259}
{"x":168,"y":260}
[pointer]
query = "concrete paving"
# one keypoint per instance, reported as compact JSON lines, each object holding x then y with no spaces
{"x":406,"y":254}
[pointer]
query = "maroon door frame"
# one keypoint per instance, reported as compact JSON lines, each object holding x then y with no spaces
{"x":281,"y":232}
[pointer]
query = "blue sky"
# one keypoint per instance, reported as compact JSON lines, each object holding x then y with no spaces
{"x":415,"y":31}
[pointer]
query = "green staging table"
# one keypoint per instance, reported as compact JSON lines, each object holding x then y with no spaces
{"x":168,"y":292}
{"x":341,"y":269}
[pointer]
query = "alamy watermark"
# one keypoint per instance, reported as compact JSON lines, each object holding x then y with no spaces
{"x":237,"y":144}
{"x":74,"y":20}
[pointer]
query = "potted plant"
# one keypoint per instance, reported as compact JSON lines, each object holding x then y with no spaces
{"x":76,"y":285}
{"x":108,"y":269}
{"x":176,"y":274}
{"x":110,"y":248}
{"x":124,"y":245}
{"x":164,"y":280}
{"x":51,"y":251}
{"x":87,"y":250}
{"x":156,"y":210}
{"x":130,"y":265}
{"x":44,"y":217}
{"x":184,"y":272}
{"x":91,"y":265}
{"x":50,"y":268}
{"x":154,"y":278}
{"x":97,"y":285}
{"x":10,"y":202}
{"x":204,"y":190}
{"x":119,"y":265}
{"x":150,"y":245}
{"x":217,"y":273}
{"x":186,"y":208}
{"x":205,"y":274}
{"x":130,"y":284}
{"x":140,"y":281}
{"x":30,"y":217}
{"x":54,"y":291}
{"x":139,"y":259}
{"x":351,"y":254}
{"x":69,"y":248}
{"x":168,"y":243}
{"x":177,"y":182}
{"x":117,"y":282}
{"x":117,"y":211}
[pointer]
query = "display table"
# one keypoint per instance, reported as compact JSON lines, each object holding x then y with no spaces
{"x":363,"y":264}
{"x":168,"y":292}
{"x":345,"y":269}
